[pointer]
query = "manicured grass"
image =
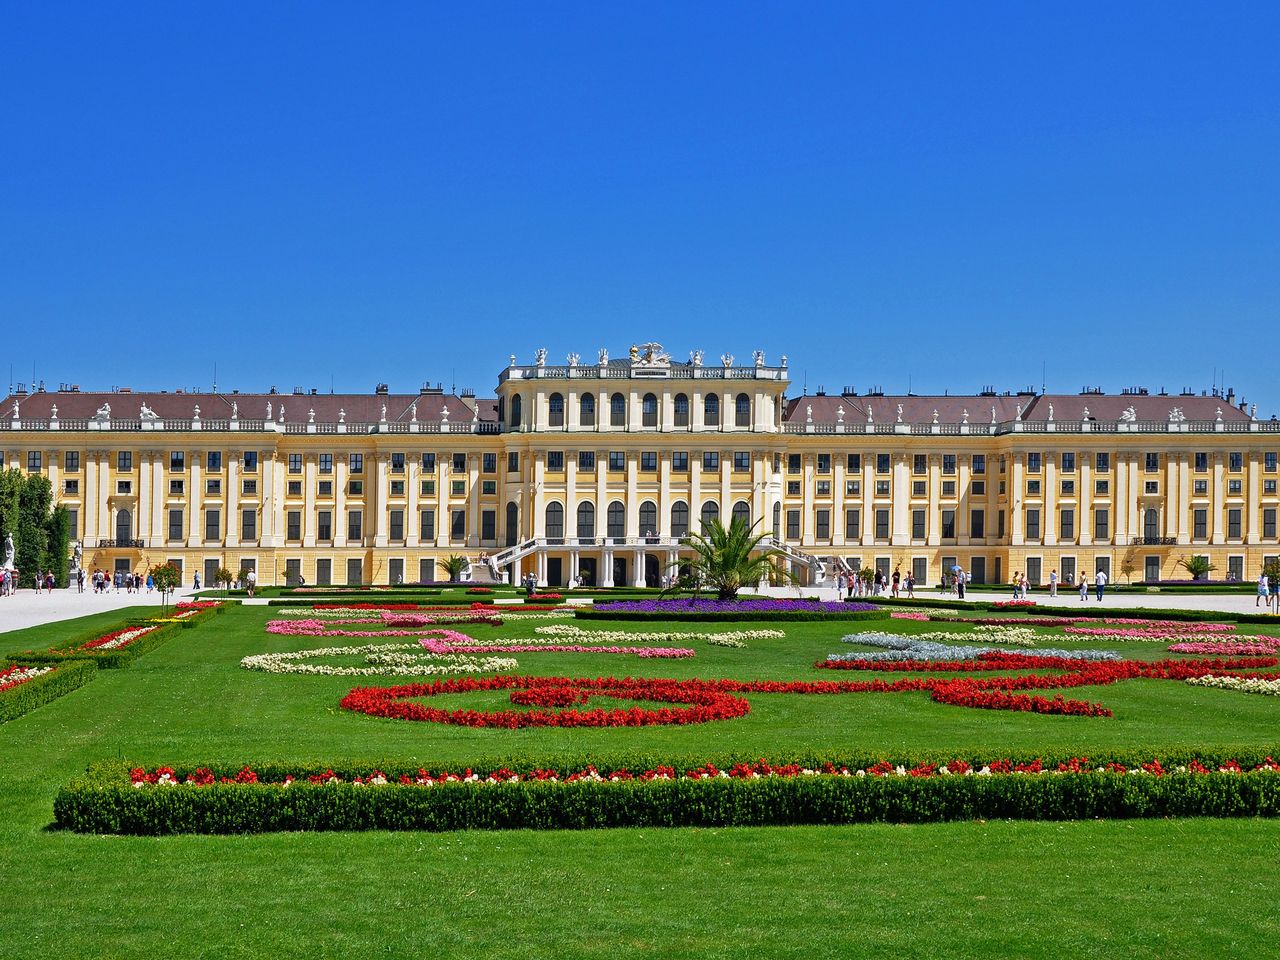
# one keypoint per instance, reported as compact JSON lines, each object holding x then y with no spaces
{"x":1142,"y":889}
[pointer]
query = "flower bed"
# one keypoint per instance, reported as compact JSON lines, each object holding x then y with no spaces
{"x":381,"y":659}
{"x":710,"y":611}
{"x":23,"y":686}
{"x":1011,"y":604}
{"x":727,"y":638}
{"x":1155,"y":631}
{"x":1235,"y":647}
{"x":114,"y":649}
{"x":1270,"y":688}
{"x":638,"y":791}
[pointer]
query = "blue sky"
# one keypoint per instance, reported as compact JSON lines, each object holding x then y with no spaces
{"x":951,"y":193}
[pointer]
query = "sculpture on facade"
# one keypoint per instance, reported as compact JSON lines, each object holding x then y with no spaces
{"x":1085,"y":415}
{"x":413,"y":412}
{"x":8,"y":551}
{"x":757,"y":357}
{"x":195,"y":414}
{"x":602,"y":357}
{"x":15,"y":410}
{"x":147,"y":414}
{"x":540,"y":356}
{"x":1129,"y":415}
{"x":342,"y":414}
{"x":103,"y":414}
{"x":869,"y":418}
{"x":282,"y":413}
{"x":1051,"y":413}
{"x":235,"y":410}
{"x":695,"y":357}
{"x":1177,"y":416}
{"x":268,"y":410}
{"x":573,"y":359}
{"x":808,"y":413}
{"x":935,"y":414}
{"x":840,"y":414}
{"x":899,"y":413}
{"x":311,"y":415}
{"x":726,"y":359}
{"x":53,"y":412}
{"x":384,"y":413}
{"x":964,"y":415}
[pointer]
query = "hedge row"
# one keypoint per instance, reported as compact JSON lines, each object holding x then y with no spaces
{"x":730,"y":616}
{"x":106,"y":802}
{"x":47,"y":687}
{"x":68,"y":650}
{"x":1091,"y":609}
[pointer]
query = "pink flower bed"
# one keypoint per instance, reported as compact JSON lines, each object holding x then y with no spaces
{"x":1244,"y":646}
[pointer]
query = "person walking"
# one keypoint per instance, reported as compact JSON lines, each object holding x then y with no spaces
{"x":911,"y":586}
{"x":1100,"y":582}
{"x":1084,"y":587}
{"x":1264,"y":591}
{"x":961,"y":582}
{"x":79,"y":581}
{"x":252,"y":581}
{"x":1053,"y":582}
{"x":897,"y":580}
{"x":1017,"y":583}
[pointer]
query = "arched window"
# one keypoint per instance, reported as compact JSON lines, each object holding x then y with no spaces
{"x":710,"y":511}
{"x":513,"y":523}
{"x":679,"y":519}
{"x":616,"y":520}
{"x":617,"y":410}
{"x":1151,"y":524}
{"x":586,"y":519}
{"x":682,"y":410}
{"x":649,"y":410}
{"x":515,"y":410}
{"x":777,"y":521}
{"x":711,"y":410}
{"x":742,"y":511}
{"x":555,"y":520}
{"x":124,"y":526}
{"x":742,"y":411}
{"x":648,"y":519}
{"x":587,"y":410}
{"x":555,"y":410}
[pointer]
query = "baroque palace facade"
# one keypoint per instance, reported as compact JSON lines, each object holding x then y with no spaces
{"x":598,"y":470}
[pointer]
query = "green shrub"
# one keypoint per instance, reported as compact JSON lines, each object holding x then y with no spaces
{"x":108,"y":659}
{"x":729,"y":616}
{"x":25,"y":697}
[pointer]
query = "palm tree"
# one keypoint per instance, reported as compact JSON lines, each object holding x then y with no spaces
{"x":1199,"y":567}
{"x":728,"y":558}
{"x":453,"y":565}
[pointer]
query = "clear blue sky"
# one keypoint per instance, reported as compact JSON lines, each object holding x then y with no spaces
{"x":953,"y":193}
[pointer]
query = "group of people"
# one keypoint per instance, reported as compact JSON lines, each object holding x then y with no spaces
{"x":855,"y":585}
{"x":1022,"y":586}
{"x":1268,"y":593}
{"x":103,"y":582}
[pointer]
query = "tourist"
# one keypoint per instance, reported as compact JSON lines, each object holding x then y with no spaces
{"x":48,"y":582}
{"x":1026,"y":586}
{"x":1264,"y":591}
{"x":960,"y":584}
{"x":151,"y":582}
{"x":79,"y":581}
{"x":1017,"y":583}
{"x":1053,"y":582}
{"x":1100,"y":581}
{"x":251,"y":581}
{"x":1084,"y":587}
{"x":911,"y":586}
{"x":897,"y":580}
{"x":196,"y":581}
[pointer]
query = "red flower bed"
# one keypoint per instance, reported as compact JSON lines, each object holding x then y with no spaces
{"x":479,"y":590}
{"x":478,"y":606}
{"x":545,"y":596}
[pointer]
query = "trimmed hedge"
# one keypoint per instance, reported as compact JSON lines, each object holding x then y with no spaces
{"x":1091,"y":609}
{"x":115,"y":659}
{"x":25,"y":697}
{"x":729,"y":616}
{"x":105,"y":801}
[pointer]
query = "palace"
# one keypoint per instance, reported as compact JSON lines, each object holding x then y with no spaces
{"x":597,"y":471}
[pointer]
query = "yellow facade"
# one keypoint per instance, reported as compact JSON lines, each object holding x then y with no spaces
{"x":596,"y":471}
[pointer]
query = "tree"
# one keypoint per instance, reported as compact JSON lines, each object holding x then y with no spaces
{"x":166,"y":577}
{"x":727,"y":558}
{"x":1129,"y":563}
{"x":40,"y":531}
{"x":453,"y":566}
{"x":1199,"y":567}
{"x":224,"y":577}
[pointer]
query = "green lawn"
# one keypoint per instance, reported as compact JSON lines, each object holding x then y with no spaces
{"x":1144,"y":888}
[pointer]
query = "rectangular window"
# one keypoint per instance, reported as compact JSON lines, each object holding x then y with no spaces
{"x":1202,"y":463}
{"x":325,"y":488}
{"x":853,"y":462}
{"x":948,"y":488}
{"x":1201,"y":487}
{"x":355,"y":525}
{"x":1068,"y":569}
{"x":1102,"y":487}
{"x":213,"y":486}
{"x":427,"y":526}
{"x":176,"y":487}
{"x":459,"y":463}
{"x":177,"y":460}
{"x":1000,"y":524}
{"x":617,"y":461}
{"x":324,"y":524}
{"x":488,"y":525}
{"x":295,"y":463}
{"x":250,"y":487}
{"x":33,"y":460}
{"x":918,"y":488}
{"x":555,"y":460}
{"x":1033,"y":488}
{"x":1068,"y":488}
{"x":213,"y":460}
{"x":458,"y":488}
{"x":124,"y":460}
{"x":853,"y":488}
{"x":325,"y":461}
{"x":513,"y":462}
{"x":250,"y":458}
{"x":71,"y":461}
{"x":458,"y":525}
{"x":293,"y":525}
{"x":1152,"y":463}
{"x":428,"y":463}
{"x":948,"y":464}
{"x":249,"y":524}
{"x":648,"y":461}
{"x":918,"y":524}
{"x":742,"y":462}
{"x":396,"y":525}
{"x":793,"y":488}
{"x":489,"y":463}
{"x":1233,"y":524}
{"x":978,"y":488}
{"x":793,"y":524}
{"x":824,"y":462}
{"x":293,"y":488}
{"x":1200,"y":524}
{"x":1268,"y":463}
{"x":1269,"y":523}
{"x":883,"y":463}
{"x":1268,"y":486}
{"x":1235,"y":462}
{"x":882,"y":524}
{"x":397,"y":463}
{"x":1102,"y":462}
{"x":1235,"y":568}
{"x":324,"y":572}
{"x":489,"y":487}
{"x":1033,"y":524}
{"x":1151,"y":487}
{"x":1033,"y":463}
{"x":355,"y":571}
{"x":1068,"y":462}
{"x":710,"y":460}
{"x":920,"y":571}
{"x":1101,"y":524}
{"x":979,"y":463}
{"x":978,"y":524}
{"x":948,"y":524}
{"x":1234,"y":487}
{"x":824,"y":488}
{"x":212,"y":525}
{"x":71,"y":487}
{"x":1067,"y":524}
{"x":853,"y":525}
{"x":793,"y":463}
{"x":680,"y":461}
{"x":822,"y":525}
{"x":882,"y":488}
{"x":919,"y":464}
{"x":175,"y":525}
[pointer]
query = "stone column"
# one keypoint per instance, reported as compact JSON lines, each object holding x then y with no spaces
{"x":233,"y":503}
{"x":1015,"y":500}
{"x":473,"y":499}
{"x":1049,"y":522}
{"x":92,"y":495}
{"x":934,"y":528}
{"x":412,"y":487}
{"x":1184,"y":499}
{"x":147,"y":533}
{"x":340,"y":467}
{"x":309,"y":468}
{"x":1252,"y":516}
{"x":806,"y":490}
{"x":1217,"y":508}
{"x":901,"y":498}
{"x":1084,"y":522}
{"x":195,"y":501}
{"x":379,"y":508}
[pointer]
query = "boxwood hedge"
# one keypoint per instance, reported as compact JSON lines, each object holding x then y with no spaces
{"x":1091,"y":609}
{"x":36,"y":692}
{"x":730,"y":616}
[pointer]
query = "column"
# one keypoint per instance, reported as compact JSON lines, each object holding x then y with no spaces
{"x":339,"y":504}
{"x":473,"y":499}
{"x":148,"y":533}
{"x":964,"y":502}
{"x":1119,"y":528}
{"x":379,"y":518}
{"x":726,"y":488}
{"x":868,"y":507}
{"x":664,"y":491}
{"x":1171,"y":462}
{"x":901,"y":499}
{"x":1049,"y":520}
{"x":1219,"y":533}
{"x":308,"y":500}
{"x":632,"y":500}
{"x":606,"y":575}
{"x":1133,"y":510}
{"x":539,"y":506}
{"x":806,"y":489}
{"x":1015,"y":499}
{"x":233,"y":503}
{"x":277,"y":496}
{"x":195,"y":502}
{"x":934,"y":528}
{"x":91,"y":497}
{"x":1252,"y":517}
{"x":1184,"y":499}
{"x":1084,"y":522}
{"x":443,"y":520}
{"x":695,"y":492}
{"x":837,"y":500}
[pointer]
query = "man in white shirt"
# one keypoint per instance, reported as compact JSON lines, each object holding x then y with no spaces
{"x":1100,"y":582}
{"x":1053,"y":583}
{"x":253,"y":581}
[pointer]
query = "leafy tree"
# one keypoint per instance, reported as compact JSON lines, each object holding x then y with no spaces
{"x":166,"y":577}
{"x":1129,"y":563}
{"x":728,"y":558}
{"x":224,"y":577}
{"x":1199,"y":567}
{"x":453,"y":566}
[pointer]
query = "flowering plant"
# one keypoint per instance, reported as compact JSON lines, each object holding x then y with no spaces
{"x":16,"y":675}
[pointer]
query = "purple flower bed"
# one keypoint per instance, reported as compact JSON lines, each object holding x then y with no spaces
{"x":732,"y":606}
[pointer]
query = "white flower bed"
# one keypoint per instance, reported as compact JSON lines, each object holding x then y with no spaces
{"x":727,"y":638}
{"x":384,"y":660}
{"x":1268,"y":688}
{"x":124,"y":639}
